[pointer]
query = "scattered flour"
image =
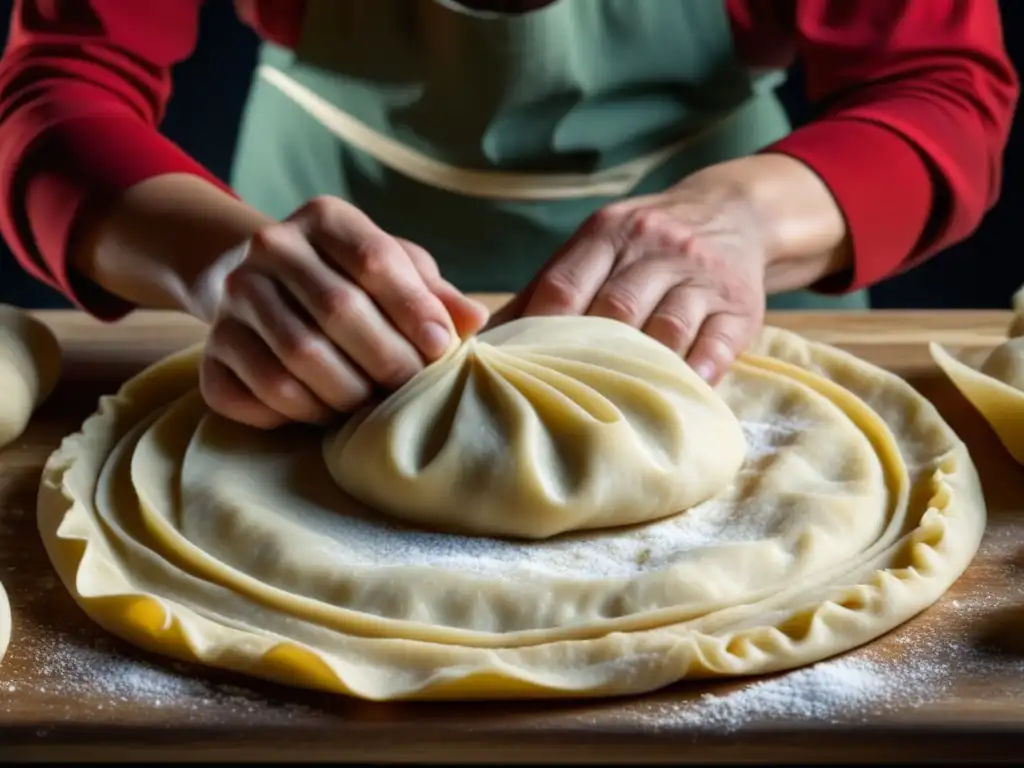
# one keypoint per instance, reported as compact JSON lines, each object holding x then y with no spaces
{"x":373,"y":541}
{"x":64,"y":668}
{"x":64,"y":665}
{"x":827,"y":692}
{"x":913,"y":666}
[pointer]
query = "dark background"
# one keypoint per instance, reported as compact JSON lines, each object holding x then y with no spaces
{"x":211,"y":86}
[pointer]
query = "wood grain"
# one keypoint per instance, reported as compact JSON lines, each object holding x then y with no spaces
{"x":69,"y":691}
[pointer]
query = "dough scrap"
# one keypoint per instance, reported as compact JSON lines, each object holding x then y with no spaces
{"x":5,"y":622}
{"x":213,"y":543}
{"x":994,"y":385}
{"x":30,"y":362}
{"x":532,"y":429}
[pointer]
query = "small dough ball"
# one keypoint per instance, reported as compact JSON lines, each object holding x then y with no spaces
{"x":541,"y":426}
{"x":1006,"y":363}
{"x":30,"y":362}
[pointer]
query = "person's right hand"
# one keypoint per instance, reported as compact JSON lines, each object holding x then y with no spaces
{"x":321,"y":310}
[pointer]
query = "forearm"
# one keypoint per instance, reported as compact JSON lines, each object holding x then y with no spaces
{"x":161,"y":246}
{"x":802,"y":228}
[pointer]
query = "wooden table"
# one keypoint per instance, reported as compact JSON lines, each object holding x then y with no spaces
{"x":949,"y":684}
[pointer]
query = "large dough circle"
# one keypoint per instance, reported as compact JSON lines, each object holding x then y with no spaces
{"x":856,"y":507}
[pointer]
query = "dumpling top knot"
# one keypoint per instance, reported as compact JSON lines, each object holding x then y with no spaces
{"x":539,"y":427}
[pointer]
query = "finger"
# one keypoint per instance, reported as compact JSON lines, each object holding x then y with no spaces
{"x":720,"y":340}
{"x":350,"y":319}
{"x":228,"y":396}
{"x":252,"y":361}
{"x":677,"y":318}
{"x":468,"y":315}
{"x":346,"y":315}
{"x":305,"y":352}
{"x":376,"y":262}
{"x":568,"y":285}
{"x":631,"y":294}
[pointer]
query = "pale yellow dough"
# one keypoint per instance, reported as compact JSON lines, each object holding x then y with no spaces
{"x":30,"y":362}
{"x":994,"y":384}
{"x":532,"y":430}
{"x":855,"y":508}
{"x":29,"y":368}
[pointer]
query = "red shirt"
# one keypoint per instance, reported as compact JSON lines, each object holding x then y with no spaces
{"x":916,"y":100}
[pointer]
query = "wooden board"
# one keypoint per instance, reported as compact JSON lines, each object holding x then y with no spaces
{"x":948,"y":684}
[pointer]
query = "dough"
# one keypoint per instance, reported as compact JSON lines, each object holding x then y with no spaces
{"x":1017,"y":325}
{"x":1006,"y":363}
{"x":995,"y":387}
{"x":5,"y":622}
{"x":214,"y":543}
{"x":30,"y":362}
{"x":533,"y":429}
{"x":29,"y":369}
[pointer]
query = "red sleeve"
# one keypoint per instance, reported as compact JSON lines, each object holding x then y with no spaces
{"x":83,"y":86}
{"x":916,"y":98}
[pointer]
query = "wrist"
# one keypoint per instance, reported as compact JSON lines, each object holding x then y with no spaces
{"x":167,"y":244}
{"x":206,"y":288}
{"x":803,"y":230}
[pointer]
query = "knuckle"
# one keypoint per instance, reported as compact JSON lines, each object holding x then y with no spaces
{"x":721,"y":345}
{"x":272,"y":247}
{"x":264,"y":240}
{"x":674,"y":330}
{"x":238,"y":284}
{"x":621,"y":304}
{"x":556,"y":290}
{"x":420,"y":257}
{"x":370,"y":262}
{"x":607,"y":216}
{"x":394,"y":372}
{"x":319,"y":210}
{"x":701,"y":260}
{"x":734,"y":292}
{"x":645,"y":222}
{"x":281,"y":388}
{"x":297,"y":348}
{"x":339,"y":304}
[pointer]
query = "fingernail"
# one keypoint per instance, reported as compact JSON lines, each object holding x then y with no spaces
{"x":705,"y":370}
{"x":436,"y":337}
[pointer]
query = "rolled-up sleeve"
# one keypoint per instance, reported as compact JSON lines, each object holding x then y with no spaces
{"x":83,"y":87}
{"x":914,"y":102}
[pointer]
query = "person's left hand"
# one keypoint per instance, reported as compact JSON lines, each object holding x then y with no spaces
{"x":686,"y":266}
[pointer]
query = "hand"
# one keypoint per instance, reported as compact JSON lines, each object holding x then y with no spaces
{"x":686,"y":266}
{"x":318,"y":311}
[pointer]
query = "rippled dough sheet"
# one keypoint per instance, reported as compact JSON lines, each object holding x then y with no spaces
{"x":856,"y":508}
{"x":993,"y":381}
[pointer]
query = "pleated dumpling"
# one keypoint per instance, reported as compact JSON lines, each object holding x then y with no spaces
{"x":539,"y":427}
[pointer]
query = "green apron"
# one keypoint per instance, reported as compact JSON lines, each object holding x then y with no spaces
{"x":489,"y":138}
